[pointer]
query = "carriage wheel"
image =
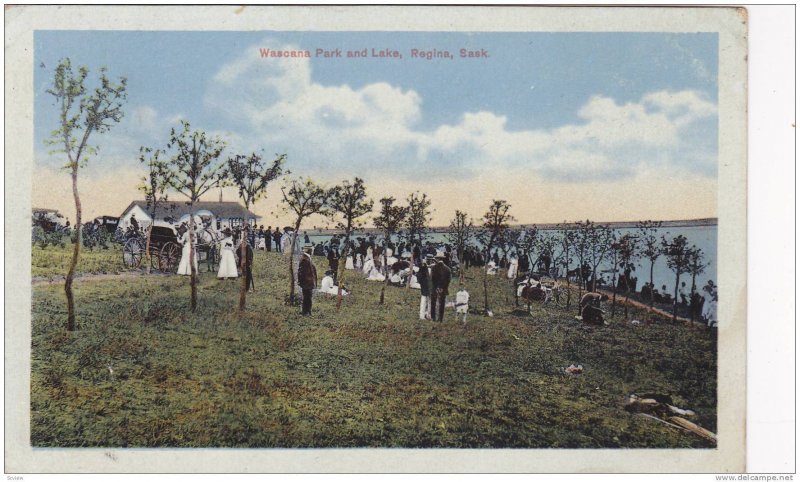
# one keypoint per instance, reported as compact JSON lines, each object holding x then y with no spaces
{"x":133,"y":253}
{"x":155,"y":258}
{"x":169,"y":257}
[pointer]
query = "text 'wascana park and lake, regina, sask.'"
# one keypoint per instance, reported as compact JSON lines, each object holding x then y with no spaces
{"x":373,"y":52}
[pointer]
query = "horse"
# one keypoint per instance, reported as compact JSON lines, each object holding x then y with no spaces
{"x":208,"y":241}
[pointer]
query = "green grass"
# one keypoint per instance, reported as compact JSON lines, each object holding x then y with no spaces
{"x":54,"y":261}
{"x":366,"y":376}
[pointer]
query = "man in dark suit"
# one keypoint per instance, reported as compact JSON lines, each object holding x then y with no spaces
{"x":268,"y":238}
{"x":440,"y":281}
{"x":333,"y":260}
{"x":307,"y":279}
{"x":276,"y":236}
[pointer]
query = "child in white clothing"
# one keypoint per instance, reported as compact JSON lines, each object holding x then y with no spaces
{"x":462,"y":303}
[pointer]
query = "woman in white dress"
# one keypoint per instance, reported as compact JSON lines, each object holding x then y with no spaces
{"x":184,"y":269}
{"x":349,"y":264}
{"x":227,"y":262}
{"x":512,"y":267}
{"x":375,"y":275}
{"x":368,"y":266}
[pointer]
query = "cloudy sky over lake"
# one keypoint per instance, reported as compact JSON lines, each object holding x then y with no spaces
{"x":608,"y":126}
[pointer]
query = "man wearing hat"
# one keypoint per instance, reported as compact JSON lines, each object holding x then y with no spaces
{"x":440,"y":281}
{"x":333,"y":259}
{"x":307,"y":278}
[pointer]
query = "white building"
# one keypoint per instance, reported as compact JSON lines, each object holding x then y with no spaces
{"x":219,"y":214}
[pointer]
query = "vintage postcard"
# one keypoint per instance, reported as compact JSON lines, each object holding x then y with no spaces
{"x":345,"y":239}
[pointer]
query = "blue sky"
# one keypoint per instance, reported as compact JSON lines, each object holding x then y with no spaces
{"x":575,"y":108}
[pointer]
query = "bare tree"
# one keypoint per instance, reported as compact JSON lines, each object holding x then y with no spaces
{"x":677,"y":253}
{"x":303,"y":198}
{"x":154,"y":187}
{"x":650,"y":247}
{"x":495,"y":222}
{"x":251,"y":175}
{"x":83,"y":110}
{"x":195,"y":169}
{"x":599,"y":239}
{"x":460,"y":234}
{"x":389,"y":220}
{"x":350,"y":200}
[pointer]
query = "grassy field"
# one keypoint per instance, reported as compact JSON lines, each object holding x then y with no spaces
{"x":53,"y":261}
{"x":143,"y":371}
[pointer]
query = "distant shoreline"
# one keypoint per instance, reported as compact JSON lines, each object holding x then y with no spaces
{"x":679,"y":223}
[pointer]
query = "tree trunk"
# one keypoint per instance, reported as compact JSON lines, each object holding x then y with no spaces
{"x":75,"y":252}
{"x":291,"y":262}
{"x":691,"y":296}
{"x":614,"y":288}
{"x":342,"y":267}
{"x":147,"y":245}
{"x":652,"y":299}
{"x":385,"y":271}
{"x":243,"y":265}
{"x":486,"y":282}
{"x":566,"y":272}
{"x":193,"y":281}
{"x":675,"y":298}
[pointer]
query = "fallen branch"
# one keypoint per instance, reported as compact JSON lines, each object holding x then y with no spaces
{"x":693,"y":427}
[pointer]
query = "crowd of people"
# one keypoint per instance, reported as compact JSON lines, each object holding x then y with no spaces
{"x":425,"y":266}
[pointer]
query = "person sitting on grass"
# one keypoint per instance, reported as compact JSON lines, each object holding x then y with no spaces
{"x":462,"y":303}
{"x":590,"y":308}
{"x":327,"y":285}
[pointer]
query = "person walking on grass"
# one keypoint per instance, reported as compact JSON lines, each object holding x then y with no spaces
{"x":307,"y":279}
{"x":440,"y":279}
{"x":462,"y":303}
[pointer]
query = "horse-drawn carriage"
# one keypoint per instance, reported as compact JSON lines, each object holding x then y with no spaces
{"x":166,"y":249}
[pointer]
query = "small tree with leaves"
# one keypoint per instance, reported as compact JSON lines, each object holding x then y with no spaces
{"x":195,"y":169}
{"x":581,"y":249}
{"x":459,"y":235}
{"x":495,"y":223}
{"x":302,"y":198}
{"x":599,"y":239}
{"x":349,"y":199}
{"x":565,"y":241}
{"x":677,"y":251}
{"x":627,"y":252}
{"x":696,"y":266}
{"x":83,"y":110}
{"x":389,"y":221}
{"x":251,"y":175}
{"x":650,"y":247}
{"x":154,"y":187}
{"x":419,"y":212}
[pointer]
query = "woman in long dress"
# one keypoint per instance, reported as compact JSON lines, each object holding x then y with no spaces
{"x":227,"y":262}
{"x":184,"y":268}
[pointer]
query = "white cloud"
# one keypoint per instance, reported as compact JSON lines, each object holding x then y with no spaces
{"x":375,"y":128}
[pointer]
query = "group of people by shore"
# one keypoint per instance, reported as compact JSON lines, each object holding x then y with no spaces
{"x":425,"y":266}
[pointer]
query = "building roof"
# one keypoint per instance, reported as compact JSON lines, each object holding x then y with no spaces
{"x":226,"y":209}
{"x":44,"y":210}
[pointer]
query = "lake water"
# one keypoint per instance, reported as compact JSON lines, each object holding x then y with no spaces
{"x":704,"y":237}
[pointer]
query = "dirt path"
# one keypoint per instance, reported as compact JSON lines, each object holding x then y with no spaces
{"x":644,"y":306}
{"x":81,"y":277}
